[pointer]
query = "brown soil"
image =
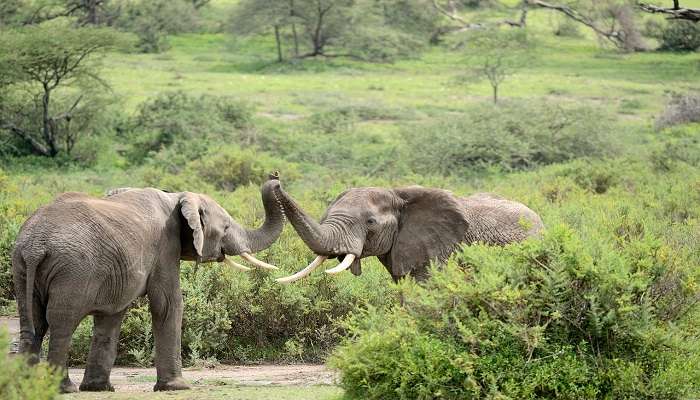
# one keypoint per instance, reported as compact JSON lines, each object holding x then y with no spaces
{"x":126,"y":379}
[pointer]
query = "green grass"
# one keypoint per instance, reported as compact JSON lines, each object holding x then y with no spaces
{"x":225,"y":392}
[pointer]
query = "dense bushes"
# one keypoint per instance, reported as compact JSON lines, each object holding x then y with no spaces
{"x":514,"y":136}
{"x":680,"y":36}
{"x":681,"y":109}
{"x":182,"y":126}
{"x":20,"y":382}
{"x":550,"y":318}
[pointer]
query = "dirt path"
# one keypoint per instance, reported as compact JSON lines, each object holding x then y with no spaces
{"x":127,"y":379}
{"x":12,"y":325}
{"x":143,"y":379}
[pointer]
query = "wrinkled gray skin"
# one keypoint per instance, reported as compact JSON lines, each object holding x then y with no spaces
{"x":83,"y":255}
{"x":408,"y":227}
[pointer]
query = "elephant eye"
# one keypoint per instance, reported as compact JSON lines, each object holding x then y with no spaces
{"x":371,"y":221}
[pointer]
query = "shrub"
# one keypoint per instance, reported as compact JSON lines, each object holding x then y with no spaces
{"x":18,"y":381}
{"x":681,"y":109}
{"x":550,"y":318}
{"x":230,"y":167}
{"x":182,"y":126}
{"x":510,"y":137}
{"x":567,"y":28}
{"x":152,"y":21}
{"x":680,"y":36}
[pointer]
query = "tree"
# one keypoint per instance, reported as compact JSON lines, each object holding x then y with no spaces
{"x":612,"y":20}
{"x":377,"y":30}
{"x":493,"y":55}
{"x":47,"y":58}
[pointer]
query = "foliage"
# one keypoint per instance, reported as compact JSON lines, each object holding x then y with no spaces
{"x":681,"y":109}
{"x":554,"y":318}
{"x":181,"y":127}
{"x":514,"y":136}
{"x":18,"y":381}
{"x":153,"y":20}
{"x":494,"y":54}
{"x":680,"y":36}
{"x":44,"y":60}
{"x":375,"y":31}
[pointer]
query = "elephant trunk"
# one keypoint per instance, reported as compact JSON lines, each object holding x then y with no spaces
{"x":263,"y":237}
{"x":314,"y":235}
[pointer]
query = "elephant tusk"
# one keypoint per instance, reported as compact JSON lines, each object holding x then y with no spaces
{"x":304,"y":272}
{"x":236,"y":265}
{"x":347,"y":262}
{"x":257,"y":262}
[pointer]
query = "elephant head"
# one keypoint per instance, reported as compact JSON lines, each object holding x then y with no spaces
{"x":405,"y":228}
{"x":210,"y":234}
{"x":213,"y":234}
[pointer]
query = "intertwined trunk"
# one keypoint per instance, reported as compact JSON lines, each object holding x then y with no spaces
{"x":263,"y":237}
{"x":315,"y":235}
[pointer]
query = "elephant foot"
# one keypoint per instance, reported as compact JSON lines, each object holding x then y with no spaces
{"x":174,"y":384}
{"x":67,"y":386}
{"x":96,"y":387}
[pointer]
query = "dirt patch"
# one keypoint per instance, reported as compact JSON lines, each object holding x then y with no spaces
{"x":126,"y":379}
{"x":12,"y":326}
{"x":142,"y":379}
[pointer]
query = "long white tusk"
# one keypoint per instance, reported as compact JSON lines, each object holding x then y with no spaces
{"x":257,"y":262}
{"x":304,"y":272}
{"x":236,"y":265}
{"x":347,"y":262}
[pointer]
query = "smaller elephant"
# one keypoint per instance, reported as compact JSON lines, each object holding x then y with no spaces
{"x":405,"y":227}
{"x":82,"y":255}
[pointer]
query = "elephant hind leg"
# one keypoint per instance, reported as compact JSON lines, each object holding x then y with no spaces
{"x":61,"y":327}
{"x":103,"y":352}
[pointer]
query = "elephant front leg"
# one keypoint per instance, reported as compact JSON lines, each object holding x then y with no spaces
{"x":166,"y":308}
{"x":103,"y":352}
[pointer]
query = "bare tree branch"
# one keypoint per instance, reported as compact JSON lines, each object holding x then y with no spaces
{"x":675,"y":12}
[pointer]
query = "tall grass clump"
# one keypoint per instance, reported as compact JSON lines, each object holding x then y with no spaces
{"x":556,"y":317}
{"x":513,"y":136}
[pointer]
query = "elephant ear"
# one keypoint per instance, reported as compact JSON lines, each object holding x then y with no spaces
{"x":191,"y":209}
{"x":432,"y":223}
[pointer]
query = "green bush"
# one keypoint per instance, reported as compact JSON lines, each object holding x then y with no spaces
{"x":680,"y":36}
{"x":181,"y":127}
{"x":550,"y":318}
{"x":152,"y":20}
{"x":18,"y":381}
{"x":510,"y":137}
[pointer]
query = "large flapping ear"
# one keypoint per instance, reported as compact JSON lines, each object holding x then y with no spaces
{"x":432,"y":223}
{"x":190,"y":207}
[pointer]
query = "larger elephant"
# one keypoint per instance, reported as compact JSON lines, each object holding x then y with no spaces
{"x":405,"y":228}
{"x":82,"y":255}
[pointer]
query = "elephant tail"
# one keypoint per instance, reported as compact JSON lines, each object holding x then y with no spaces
{"x":27,"y":331}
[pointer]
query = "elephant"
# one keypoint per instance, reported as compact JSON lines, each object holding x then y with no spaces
{"x":84,"y":255}
{"x":405,"y":228}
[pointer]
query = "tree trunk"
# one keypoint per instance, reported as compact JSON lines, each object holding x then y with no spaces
{"x":47,"y":128}
{"x":279,"y":44}
{"x":495,"y":94}
{"x":91,"y":11}
{"x":296,"y":40}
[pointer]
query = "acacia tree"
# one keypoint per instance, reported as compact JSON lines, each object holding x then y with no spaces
{"x":46,"y":58}
{"x":493,"y":55}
